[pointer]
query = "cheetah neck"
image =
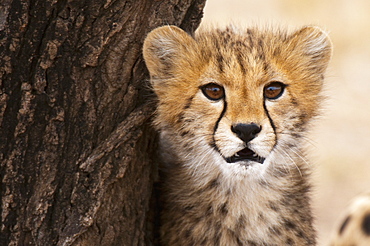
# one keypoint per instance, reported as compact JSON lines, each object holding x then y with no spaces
{"x":202,"y":193}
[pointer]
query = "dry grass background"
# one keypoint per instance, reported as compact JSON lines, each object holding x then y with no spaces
{"x":341,"y":138}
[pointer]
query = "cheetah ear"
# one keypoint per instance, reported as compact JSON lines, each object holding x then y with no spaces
{"x":313,"y":43}
{"x":162,"y":49}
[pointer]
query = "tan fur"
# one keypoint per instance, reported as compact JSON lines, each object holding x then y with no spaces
{"x":207,"y":200}
{"x":355,"y":224}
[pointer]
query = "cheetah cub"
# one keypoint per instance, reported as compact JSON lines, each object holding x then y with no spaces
{"x":233,"y":108}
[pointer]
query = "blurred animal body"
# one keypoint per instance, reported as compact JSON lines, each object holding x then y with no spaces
{"x":355,"y":225}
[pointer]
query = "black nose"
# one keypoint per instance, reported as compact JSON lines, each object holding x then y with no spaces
{"x":246,"y":132}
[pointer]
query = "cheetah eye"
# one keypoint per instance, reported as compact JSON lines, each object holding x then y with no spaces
{"x":213,"y":91}
{"x":273,"y":90}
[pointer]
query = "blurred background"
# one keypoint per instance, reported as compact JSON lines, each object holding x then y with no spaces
{"x":340,"y":148}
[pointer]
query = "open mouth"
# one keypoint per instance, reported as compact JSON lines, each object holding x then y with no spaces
{"x":245,"y":154}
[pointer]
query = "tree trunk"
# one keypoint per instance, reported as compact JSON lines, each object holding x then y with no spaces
{"x":77,"y":149}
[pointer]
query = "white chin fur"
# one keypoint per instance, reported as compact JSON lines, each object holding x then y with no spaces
{"x":241,"y":169}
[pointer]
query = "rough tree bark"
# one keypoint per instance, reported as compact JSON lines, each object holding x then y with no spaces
{"x":77,"y":150}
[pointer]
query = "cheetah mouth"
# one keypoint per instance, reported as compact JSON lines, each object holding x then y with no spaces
{"x":245,"y":154}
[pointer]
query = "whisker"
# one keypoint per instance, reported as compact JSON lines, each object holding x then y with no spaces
{"x":285,"y":165}
{"x":297,"y":152}
{"x":301,"y":136}
{"x":297,"y":167}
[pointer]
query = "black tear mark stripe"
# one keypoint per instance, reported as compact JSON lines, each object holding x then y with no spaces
{"x":213,"y":144}
{"x":271,"y":121}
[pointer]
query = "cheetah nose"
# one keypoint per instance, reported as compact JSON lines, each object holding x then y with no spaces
{"x":246,"y":132}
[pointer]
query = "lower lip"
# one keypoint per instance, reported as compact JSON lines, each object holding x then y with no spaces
{"x":235,"y":159}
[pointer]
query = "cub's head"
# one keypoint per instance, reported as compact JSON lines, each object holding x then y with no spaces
{"x":238,"y":98}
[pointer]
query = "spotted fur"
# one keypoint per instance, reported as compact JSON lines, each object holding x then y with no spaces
{"x":208,"y":200}
{"x":354,"y":229}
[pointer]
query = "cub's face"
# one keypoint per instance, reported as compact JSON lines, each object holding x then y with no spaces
{"x":240,"y":99}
